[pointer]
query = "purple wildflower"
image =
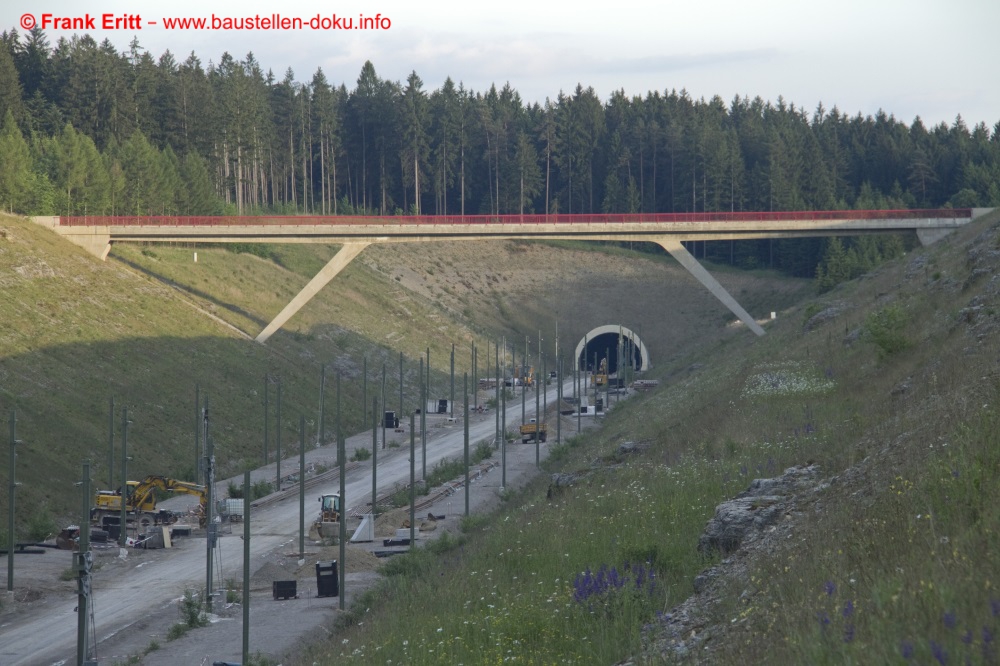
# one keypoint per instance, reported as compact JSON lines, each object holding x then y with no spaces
{"x":823,"y":619}
{"x":995,"y":607}
{"x":967,"y":637}
{"x":906,"y":649}
{"x":830,"y":588}
{"x":940,"y":654}
{"x":848,"y":633}
{"x":950,"y":620}
{"x":848,"y":609}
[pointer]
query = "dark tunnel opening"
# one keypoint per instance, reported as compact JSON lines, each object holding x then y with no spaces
{"x":605,"y":345}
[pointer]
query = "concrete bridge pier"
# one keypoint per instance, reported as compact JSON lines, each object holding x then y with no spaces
{"x":339,"y":262}
{"x":673,"y":245}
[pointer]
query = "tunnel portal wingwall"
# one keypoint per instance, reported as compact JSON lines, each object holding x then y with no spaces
{"x":642,"y":354}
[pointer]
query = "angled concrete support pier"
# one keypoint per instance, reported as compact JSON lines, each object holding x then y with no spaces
{"x":338,"y":263}
{"x":678,"y":252}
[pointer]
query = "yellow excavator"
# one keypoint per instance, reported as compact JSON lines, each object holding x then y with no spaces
{"x":140,"y":500}
{"x":600,"y":378}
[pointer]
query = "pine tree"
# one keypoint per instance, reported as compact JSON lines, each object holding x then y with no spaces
{"x":16,"y":175}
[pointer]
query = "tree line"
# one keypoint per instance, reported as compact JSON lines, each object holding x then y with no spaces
{"x":89,"y":130}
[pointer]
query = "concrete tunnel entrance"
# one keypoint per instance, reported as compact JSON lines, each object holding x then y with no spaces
{"x":603,"y":341}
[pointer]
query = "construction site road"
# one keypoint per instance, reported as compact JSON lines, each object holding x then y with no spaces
{"x":125,"y":600}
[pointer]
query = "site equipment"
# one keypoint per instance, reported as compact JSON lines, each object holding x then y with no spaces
{"x":600,"y":378}
{"x":140,"y":500}
{"x":329,"y":511}
{"x":528,"y":431}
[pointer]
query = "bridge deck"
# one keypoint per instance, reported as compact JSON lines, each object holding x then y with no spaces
{"x":356,"y":232}
{"x":381,"y":229}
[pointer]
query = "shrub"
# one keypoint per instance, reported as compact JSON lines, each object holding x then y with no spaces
{"x":886,"y":329}
{"x":191,"y":611}
{"x":361,"y":454}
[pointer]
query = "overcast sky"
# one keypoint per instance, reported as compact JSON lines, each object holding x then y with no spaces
{"x":932,"y":58}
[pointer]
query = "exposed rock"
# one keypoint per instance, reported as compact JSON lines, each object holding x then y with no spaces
{"x":562,"y":480}
{"x":852,"y":337}
{"x":903,"y":387}
{"x":629,"y":448}
{"x":916,"y":266}
{"x":829,"y":313}
{"x":758,"y":507}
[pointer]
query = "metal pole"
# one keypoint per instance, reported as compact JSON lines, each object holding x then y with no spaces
{"x":524,"y":372}
{"x":277,"y":442}
{"x":607,"y":377}
{"x":466,"y":419}
{"x":197,"y":431}
{"x":267,"y":381}
{"x":122,"y":518}
{"x":475,"y":378}
{"x":538,"y":425}
{"x":210,"y":535}
{"x":545,"y":385}
{"x":383,"y":407}
{"x":424,"y":391}
{"x":302,"y":486}
{"x":84,"y":559}
{"x":413,"y":482}
{"x":10,"y":504}
{"x":111,"y":442}
{"x":496,"y":352}
{"x":341,"y":456}
{"x":503,"y":429}
{"x":579,"y":396}
{"x":374,"y":453}
{"x":559,"y":389}
{"x":322,"y":405}
{"x":451,"y":407}
{"x":246,"y":567}
{"x":364,"y":389}
{"x":400,"y":412}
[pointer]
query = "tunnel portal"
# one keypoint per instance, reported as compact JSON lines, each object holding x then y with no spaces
{"x":603,"y":342}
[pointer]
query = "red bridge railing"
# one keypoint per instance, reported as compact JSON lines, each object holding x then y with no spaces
{"x":496,"y":220}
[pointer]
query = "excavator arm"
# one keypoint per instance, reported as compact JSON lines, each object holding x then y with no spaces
{"x":151,"y":483}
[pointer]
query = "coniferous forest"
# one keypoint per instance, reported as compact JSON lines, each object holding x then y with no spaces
{"x":89,"y":130}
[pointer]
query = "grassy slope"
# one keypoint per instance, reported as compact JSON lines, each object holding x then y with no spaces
{"x":78,"y":331}
{"x":896,"y":559}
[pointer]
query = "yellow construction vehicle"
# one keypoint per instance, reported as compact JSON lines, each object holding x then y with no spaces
{"x":140,"y":500}
{"x":528,"y":431}
{"x":524,"y":375}
{"x":329,"y":511}
{"x":600,"y":378}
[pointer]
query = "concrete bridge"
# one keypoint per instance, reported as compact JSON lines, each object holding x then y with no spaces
{"x":355,"y":233}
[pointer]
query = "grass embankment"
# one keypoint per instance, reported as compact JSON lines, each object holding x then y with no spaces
{"x":893,"y":561}
{"x":79,"y":332}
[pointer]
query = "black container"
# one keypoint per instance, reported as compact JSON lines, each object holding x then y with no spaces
{"x":327,"y":582}
{"x":284,"y":589}
{"x":112,"y":525}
